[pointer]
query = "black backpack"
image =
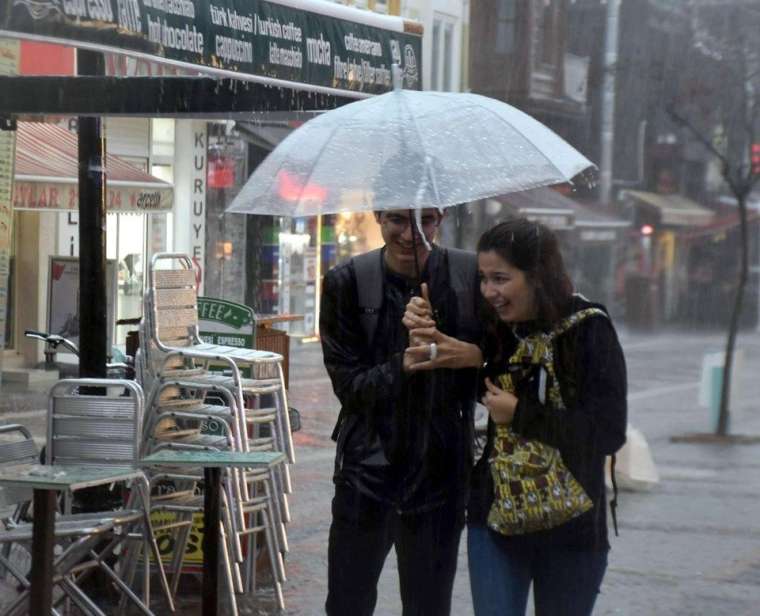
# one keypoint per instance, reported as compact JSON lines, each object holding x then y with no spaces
{"x":463,"y":269}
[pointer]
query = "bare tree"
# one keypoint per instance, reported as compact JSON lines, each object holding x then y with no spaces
{"x":721,"y":88}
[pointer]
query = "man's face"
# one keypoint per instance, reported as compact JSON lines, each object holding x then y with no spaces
{"x":396,"y":229}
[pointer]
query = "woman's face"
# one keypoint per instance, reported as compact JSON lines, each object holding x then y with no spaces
{"x":506,"y":288}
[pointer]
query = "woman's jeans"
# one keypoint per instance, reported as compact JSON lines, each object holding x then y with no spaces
{"x":565,"y":582}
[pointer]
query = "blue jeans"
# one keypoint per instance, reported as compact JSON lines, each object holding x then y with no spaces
{"x":564,"y":581}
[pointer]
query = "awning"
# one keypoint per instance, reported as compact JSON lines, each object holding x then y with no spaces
{"x":674,"y":210}
{"x":46,"y":175}
{"x":724,"y":224}
{"x":559,"y":212}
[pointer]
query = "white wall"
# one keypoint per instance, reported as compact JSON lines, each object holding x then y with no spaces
{"x":426,"y":11}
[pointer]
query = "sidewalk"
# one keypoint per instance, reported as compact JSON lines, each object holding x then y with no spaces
{"x":691,"y":546}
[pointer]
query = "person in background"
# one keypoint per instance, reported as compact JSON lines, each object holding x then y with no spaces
{"x":554,"y":382}
{"x":403,"y":439}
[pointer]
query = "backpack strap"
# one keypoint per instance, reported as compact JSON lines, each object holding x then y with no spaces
{"x":369,"y":286}
{"x":575,"y":318}
{"x":463,"y":276}
{"x":463,"y":269}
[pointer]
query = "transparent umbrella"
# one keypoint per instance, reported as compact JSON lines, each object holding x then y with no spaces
{"x":407,"y":149}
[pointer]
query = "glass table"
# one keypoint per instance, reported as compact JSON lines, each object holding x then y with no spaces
{"x":212,"y":462}
{"x":46,"y":481}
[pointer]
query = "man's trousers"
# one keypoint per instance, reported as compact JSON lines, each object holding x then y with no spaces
{"x":361,"y":535}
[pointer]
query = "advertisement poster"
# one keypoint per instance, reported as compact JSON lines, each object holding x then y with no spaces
{"x":9,"y":58}
{"x":307,"y":42}
{"x":63,"y":298}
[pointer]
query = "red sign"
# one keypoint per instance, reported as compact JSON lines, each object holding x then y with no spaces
{"x":63,"y":196}
{"x":221,"y":173}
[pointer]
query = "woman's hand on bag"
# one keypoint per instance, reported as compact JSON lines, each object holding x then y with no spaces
{"x":501,"y":404}
{"x":419,"y":312}
{"x":430,"y":349}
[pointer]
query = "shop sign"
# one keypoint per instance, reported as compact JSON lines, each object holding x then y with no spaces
{"x":557,"y":222}
{"x":605,"y":235}
{"x":197,"y":217}
{"x":221,"y":172}
{"x":31,"y":195}
{"x":166,"y":539}
{"x":302,"y":42}
{"x":227,"y":323}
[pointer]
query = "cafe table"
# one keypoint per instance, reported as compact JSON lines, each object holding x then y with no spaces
{"x":212,"y":463}
{"x":46,"y":480}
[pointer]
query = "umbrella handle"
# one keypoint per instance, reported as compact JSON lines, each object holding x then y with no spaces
{"x":413,"y":225}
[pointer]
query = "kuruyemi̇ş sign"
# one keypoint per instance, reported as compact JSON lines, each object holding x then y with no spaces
{"x":310,"y":43}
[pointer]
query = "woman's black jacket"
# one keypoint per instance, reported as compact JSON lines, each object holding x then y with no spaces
{"x":591,"y":371}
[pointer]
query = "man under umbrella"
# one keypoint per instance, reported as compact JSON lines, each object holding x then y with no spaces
{"x":403,"y":440}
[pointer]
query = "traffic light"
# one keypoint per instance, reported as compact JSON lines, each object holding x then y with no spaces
{"x":755,"y":156}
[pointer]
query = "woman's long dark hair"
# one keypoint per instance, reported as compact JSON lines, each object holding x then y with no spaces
{"x":533,"y":248}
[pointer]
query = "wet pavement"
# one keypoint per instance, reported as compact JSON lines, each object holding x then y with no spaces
{"x":689,"y":546}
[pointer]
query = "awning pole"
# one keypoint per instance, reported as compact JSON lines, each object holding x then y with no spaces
{"x":93,"y":312}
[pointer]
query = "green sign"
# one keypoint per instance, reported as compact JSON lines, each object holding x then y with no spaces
{"x":227,"y":323}
{"x":299,"y":41}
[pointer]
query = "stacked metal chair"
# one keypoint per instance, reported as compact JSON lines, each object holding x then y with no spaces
{"x":92,"y":422}
{"x":192,"y":385}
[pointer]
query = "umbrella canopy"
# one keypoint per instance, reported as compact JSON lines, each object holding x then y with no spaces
{"x":407,"y":149}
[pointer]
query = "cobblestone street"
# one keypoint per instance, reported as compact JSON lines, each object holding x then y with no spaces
{"x":690,"y":546}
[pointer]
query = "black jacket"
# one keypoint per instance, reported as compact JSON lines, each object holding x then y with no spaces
{"x":591,"y":370}
{"x":402,"y":440}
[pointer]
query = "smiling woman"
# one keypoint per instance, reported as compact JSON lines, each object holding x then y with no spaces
{"x":506,"y":288}
{"x":555,"y":390}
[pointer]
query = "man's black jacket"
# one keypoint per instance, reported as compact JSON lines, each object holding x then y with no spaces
{"x":405,"y":441}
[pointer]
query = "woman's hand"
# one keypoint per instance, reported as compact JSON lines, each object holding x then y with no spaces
{"x":501,"y":404}
{"x":419,"y":312}
{"x":449,"y":352}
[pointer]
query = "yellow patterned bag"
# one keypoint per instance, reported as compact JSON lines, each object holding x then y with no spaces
{"x":533,"y":489}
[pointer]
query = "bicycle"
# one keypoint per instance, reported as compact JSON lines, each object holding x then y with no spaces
{"x":124,"y":369}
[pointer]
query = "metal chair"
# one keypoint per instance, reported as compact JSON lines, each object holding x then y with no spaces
{"x":16,"y":447}
{"x":216,"y":398}
{"x":172,"y":318}
{"x":98,"y":422}
{"x":172,"y":341}
{"x":80,"y":537}
{"x":181,"y":400}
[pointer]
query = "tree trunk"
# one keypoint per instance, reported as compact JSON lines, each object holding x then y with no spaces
{"x":725,"y":393}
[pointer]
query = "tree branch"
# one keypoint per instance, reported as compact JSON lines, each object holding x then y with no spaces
{"x":684,"y":122}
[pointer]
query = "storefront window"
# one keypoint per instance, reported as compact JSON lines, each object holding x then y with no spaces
{"x":125,"y":245}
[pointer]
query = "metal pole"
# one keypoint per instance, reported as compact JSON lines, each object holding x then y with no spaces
{"x":43,"y":538}
{"x":211,"y":540}
{"x":608,"y":100}
{"x":93,"y":313}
